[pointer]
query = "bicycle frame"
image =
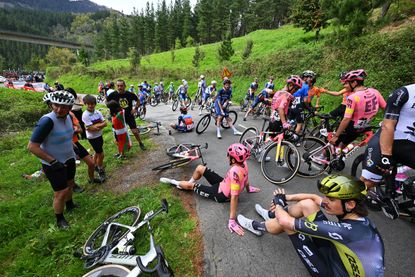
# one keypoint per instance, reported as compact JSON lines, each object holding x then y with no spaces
{"x":192,"y":153}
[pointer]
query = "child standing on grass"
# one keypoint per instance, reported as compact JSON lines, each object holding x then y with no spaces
{"x":94,"y":123}
{"x":120,"y":128}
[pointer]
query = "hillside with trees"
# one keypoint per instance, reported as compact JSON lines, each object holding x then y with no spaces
{"x":60,"y":6}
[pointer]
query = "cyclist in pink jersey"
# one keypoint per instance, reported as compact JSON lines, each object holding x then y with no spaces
{"x":222,"y":189}
{"x":361,"y":107}
{"x":281,"y":102}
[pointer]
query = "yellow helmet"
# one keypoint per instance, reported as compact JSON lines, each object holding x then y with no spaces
{"x":341,"y":187}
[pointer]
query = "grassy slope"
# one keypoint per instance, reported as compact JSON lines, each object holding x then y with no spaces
{"x":31,"y":245}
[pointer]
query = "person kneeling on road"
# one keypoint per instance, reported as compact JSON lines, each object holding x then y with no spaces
{"x":351,"y":246}
{"x":222,"y":189}
{"x":185,"y":121}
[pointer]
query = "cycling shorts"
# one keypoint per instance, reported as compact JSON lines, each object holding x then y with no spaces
{"x":130,"y":121}
{"x":339,"y":111}
{"x":80,"y":150}
{"x":182,"y":96}
{"x":143,"y":100}
{"x":349,"y":135}
{"x":212,"y":191}
{"x":275,"y":126}
{"x":297,"y":115}
{"x":97,"y":144}
{"x":183,"y":128}
{"x":402,"y":153}
{"x":218,"y":111}
{"x":206,"y":96}
{"x":59,"y":179}
{"x":256,"y":102}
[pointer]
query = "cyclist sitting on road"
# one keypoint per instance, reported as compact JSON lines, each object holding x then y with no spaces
{"x":119,"y":127}
{"x":185,"y":121}
{"x":207,"y":93}
{"x":362,"y":106}
{"x":351,"y":246}
{"x":262,"y":97}
{"x":222,"y":189}
{"x":221,"y":107}
{"x":394,"y":143}
{"x":297,"y":106}
{"x":270,"y":84}
{"x":280,"y":104}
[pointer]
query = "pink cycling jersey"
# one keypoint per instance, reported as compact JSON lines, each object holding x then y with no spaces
{"x":235,"y":180}
{"x":281,"y":99}
{"x":362,"y":106}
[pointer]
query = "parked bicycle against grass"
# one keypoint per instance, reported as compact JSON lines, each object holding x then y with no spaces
{"x":279,"y":158}
{"x":112,"y":244}
{"x":183,"y":154}
{"x":146,"y":129}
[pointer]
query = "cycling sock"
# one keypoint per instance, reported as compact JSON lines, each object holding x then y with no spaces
{"x":271,"y":214}
{"x":259,"y":226}
{"x":70,"y":204}
{"x":234,"y":129}
{"x":59,"y":217}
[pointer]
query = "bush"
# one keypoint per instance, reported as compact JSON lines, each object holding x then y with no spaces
{"x":248,"y":49}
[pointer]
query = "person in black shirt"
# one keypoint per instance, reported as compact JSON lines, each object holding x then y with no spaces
{"x":125,"y":99}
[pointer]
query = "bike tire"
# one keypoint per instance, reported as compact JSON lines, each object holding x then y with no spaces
{"x":249,"y":138}
{"x":130,"y":216}
{"x":140,"y":112}
{"x":233,"y":115}
{"x":178,"y":148}
{"x":175,"y":105}
{"x":188,"y":101}
{"x":153,"y":101}
{"x":108,"y":270}
{"x":203,"y":124}
{"x":143,"y":130}
{"x":275,"y":171}
{"x":172,"y":164}
{"x":356,"y":164}
{"x":309,"y":168}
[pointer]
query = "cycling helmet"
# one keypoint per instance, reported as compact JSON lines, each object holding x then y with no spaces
{"x":253,"y":86}
{"x":341,"y":187}
{"x":141,"y":85}
{"x":213,"y":82}
{"x":161,"y":83}
{"x":354,"y":75}
{"x":46,"y":97}
{"x":227,"y":81}
{"x":183,"y":109}
{"x":308,"y":73}
{"x":183,"y":81}
{"x":295,"y":80}
{"x":62,"y":97}
{"x":132,"y":86}
{"x":239,"y":152}
{"x":156,"y":84}
{"x":171,"y":83}
{"x":202,"y":76}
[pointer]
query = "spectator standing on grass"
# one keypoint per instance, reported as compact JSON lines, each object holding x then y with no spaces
{"x":77,"y":111}
{"x":51,"y":142}
{"x":94,"y":123}
{"x":119,"y":127}
{"x":126,"y":99}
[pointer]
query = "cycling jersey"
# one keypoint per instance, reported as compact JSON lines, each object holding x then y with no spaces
{"x":281,"y":99}
{"x":314,"y":91}
{"x":142,"y":96}
{"x":299,"y":97}
{"x":235,"y":180}
{"x":270,"y":85}
{"x":362,"y":106}
{"x":185,"y":123}
{"x":254,"y":85}
{"x":344,"y":248}
{"x":260,"y":97}
{"x":91,"y":118}
{"x":202,"y":84}
{"x":157,"y":90}
{"x":222,"y":97}
{"x":208,"y":92}
{"x":171,"y":89}
{"x":401,"y":107}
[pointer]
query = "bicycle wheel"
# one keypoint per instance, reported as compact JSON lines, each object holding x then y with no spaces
{"x":315,"y":157}
{"x":178,"y":148}
{"x":108,"y":270}
{"x":249,"y":138}
{"x":143,"y":130}
{"x":128,"y":216}
{"x":153,"y":101}
{"x":275,"y":160}
{"x":140,"y":112}
{"x":174,"y":105}
{"x":203,"y":124}
{"x":165,"y":97}
{"x":232,"y":115}
{"x":187,"y":101}
{"x":173,"y":164}
{"x":357,"y":166}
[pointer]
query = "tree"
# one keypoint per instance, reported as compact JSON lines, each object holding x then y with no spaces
{"x":83,"y":57}
{"x":225,"y":50}
{"x":204,"y":11}
{"x":134,"y":57}
{"x":2,"y":62}
{"x":198,"y":56}
{"x":60,"y":56}
{"x":190,"y":41}
{"x":248,"y":49}
{"x":172,"y":55}
{"x":309,"y":15}
{"x":177,"y":43}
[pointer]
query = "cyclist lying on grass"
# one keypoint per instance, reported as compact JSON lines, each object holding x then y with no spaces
{"x":351,"y":246}
{"x":222,"y":189}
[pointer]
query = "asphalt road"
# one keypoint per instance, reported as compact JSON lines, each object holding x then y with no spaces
{"x":228,"y":254}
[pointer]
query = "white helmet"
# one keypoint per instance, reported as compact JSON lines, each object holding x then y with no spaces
{"x":161,"y":83}
{"x":131,"y":85}
{"x":202,"y":76}
{"x":213,"y":82}
{"x":62,"y":97}
{"x":183,"y":81}
{"x":46,"y":97}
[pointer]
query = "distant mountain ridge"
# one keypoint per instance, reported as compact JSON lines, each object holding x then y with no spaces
{"x":69,"y":6}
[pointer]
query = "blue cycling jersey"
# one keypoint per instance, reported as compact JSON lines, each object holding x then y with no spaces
{"x":299,"y":96}
{"x":270,"y":85}
{"x":223,"y":95}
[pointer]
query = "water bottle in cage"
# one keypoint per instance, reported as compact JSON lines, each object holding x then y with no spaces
{"x":348,"y":148}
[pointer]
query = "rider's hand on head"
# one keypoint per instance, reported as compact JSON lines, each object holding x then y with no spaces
{"x":233,"y":226}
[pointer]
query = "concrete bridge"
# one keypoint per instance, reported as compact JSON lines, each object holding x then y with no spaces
{"x":16,"y":36}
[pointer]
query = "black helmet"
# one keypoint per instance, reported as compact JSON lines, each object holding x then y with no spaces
{"x":183,"y":109}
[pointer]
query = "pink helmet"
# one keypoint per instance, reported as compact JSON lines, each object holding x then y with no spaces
{"x":239,"y":152}
{"x":354,"y":75}
{"x":295,"y":80}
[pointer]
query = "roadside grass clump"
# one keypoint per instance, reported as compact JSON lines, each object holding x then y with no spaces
{"x":31,"y":244}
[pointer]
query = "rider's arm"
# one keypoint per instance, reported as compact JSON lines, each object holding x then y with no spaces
{"x":234,"y":206}
{"x":302,"y":196}
{"x":41,"y":131}
{"x":348,"y":114}
{"x":343,"y":125}
{"x":393,"y":108}
{"x":281,"y":113}
{"x":336,"y":93}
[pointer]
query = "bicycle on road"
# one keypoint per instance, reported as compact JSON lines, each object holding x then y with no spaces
{"x":279,"y":158}
{"x":197,"y":99}
{"x":146,"y":129}
{"x":183,"y":154}
{"x":205,"y":120}
{"x":112,"y":244}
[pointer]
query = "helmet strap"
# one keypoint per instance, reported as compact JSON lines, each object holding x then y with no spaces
{"x":345,"y":211}
{"x":352,"y":87}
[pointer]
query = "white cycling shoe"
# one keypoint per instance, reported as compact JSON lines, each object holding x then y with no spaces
{"x":237,"y":133}
{"x":246,"y":223}
{"x":262,"y":212}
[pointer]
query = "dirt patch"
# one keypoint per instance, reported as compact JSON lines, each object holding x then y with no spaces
{"x":399,"y":25}
{"x":138,"y":173}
